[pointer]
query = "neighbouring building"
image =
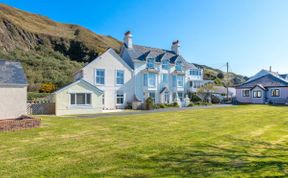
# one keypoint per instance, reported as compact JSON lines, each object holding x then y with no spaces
{"x":13,"y":90}
{"x":265,"y":87}
{"x":79,"y":97}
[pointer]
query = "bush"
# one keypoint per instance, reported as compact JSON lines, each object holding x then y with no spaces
{"x":190,"y":104}
{"x":215,"y":99}
{"x":195,"y":98}
{"x":162,"y":106}
{"x":129,"y":105}
{"x":34,"y":96}
{"x":47,"y":88}
{"x":149,"y":104}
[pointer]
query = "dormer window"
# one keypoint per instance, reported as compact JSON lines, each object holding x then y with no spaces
{"x":179,"y":66}
{"x":150,"y":63}
{"x":165,"y":65}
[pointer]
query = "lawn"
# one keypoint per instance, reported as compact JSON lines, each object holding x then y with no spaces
{"x":238,"y":141}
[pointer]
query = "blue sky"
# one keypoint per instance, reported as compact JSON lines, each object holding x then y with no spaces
{"x":249,"y":34}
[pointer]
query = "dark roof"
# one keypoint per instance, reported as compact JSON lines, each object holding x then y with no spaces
{"x":12,"y":73}
{"x":142,"y":53}
{"x":268,"y":80}
{"x":260,"y":86}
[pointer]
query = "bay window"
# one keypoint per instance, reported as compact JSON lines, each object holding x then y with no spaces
{"x":165,"y":65}
{"x":257,"y":94}
{"x":179,"y":66}
{"x":150,"y":80}
{"x":150,"y":63}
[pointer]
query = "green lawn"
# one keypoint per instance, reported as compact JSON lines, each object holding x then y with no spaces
{"x":234,"y":141}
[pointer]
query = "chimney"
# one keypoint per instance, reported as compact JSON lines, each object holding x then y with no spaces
{"x":128,"y":39}
{"x":175,"y":46}
{"x":270,"y":69}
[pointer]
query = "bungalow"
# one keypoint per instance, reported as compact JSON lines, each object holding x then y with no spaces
{"x":263,"y":88}
{"x":13,"y":90}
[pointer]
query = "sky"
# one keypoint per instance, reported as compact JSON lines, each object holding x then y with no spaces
{"x":249,"y":34}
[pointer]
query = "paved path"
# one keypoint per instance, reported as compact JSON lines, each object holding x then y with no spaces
{"x":139,"y":112}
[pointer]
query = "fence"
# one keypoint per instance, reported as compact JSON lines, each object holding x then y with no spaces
{"x":40,"y":108}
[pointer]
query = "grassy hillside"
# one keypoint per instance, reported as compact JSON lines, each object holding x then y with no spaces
{"x":51,"y":52}
{"x":238,"y":141}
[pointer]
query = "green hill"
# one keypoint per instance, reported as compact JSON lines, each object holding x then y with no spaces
{"x":50,"y":51}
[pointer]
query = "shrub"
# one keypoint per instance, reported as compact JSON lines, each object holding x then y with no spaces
{"x":149,"y":104}
{"x":47,"y":88}
{"x":162,"y":106}
{"x":34,"y":96}
{"x":190,"y":104}
{"x":195,"y":98}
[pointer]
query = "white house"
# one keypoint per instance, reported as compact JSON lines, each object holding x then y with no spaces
{"x":140,"y":72}
{"x":13,"y":90}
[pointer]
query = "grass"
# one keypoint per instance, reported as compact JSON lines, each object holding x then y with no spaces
{"x":239,"y":141}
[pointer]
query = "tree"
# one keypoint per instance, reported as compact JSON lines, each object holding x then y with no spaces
{"x":47,"y":88}
{"x":220,"y":75}
{"x":206,"y":91}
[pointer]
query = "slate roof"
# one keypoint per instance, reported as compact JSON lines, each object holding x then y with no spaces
{"x":143,"y":52}
{"x":265,"y":80}
{"x":12,"y":73}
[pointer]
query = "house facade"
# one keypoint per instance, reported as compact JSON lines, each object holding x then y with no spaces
{"x":139,"y":72}
{"x":263,"y":88}
{"x":13,"y":90}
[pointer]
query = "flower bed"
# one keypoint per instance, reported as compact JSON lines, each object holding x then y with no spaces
{"x":20,"y":123}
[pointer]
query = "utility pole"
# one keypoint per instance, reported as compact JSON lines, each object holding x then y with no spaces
{"x":227,"y":81}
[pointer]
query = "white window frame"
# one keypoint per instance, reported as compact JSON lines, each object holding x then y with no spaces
{"x":257,"y":95}
{"x":151,"y":77}
{"x":151,"y":61}
{"x":96,"y":76}
{"x":122,"y":97}
{"x":167,"y":78}
{"x":117,"y":77}
{"x":75,"y":99}
{"x":277,"y":96}
{"x":243,"y":93}
{"x":180,"y":79}
{"x":179,"y":64}
{"x":165,"y":65}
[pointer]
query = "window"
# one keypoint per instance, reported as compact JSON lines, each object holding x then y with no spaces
{"x":100,"y":76}
{"x":275,"y":92}
{"x":245,"y":93}
{"x":195,"y":72}
{"x":151,"y":80}
{"x":165,"y":65}
{"x":179,"y":66}
{"x":165,"y":78}
{"x":150,"y":63}
{"x":180,"y":96}
{"x":145,"y":80}
{"x":180,"y":81}
{"x":166,"y":97}
{"x":80,"y":99}
{"x":120,"y":97}
{"x":257,"y":94}
{"x":152,"y":95}
{"x":120,"y":77}
{"x":174,"y":82}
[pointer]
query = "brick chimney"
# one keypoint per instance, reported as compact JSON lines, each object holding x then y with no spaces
{"x":175,"y":46}
{"x":128,"y":39}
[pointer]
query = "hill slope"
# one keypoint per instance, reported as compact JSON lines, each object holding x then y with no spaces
{"x":50,"y":51}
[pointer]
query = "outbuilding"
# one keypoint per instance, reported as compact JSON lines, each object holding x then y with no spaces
{"x":79,"y":97}
{"x":13,"y":90}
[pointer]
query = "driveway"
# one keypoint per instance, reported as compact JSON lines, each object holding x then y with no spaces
{"x":139,"y":112}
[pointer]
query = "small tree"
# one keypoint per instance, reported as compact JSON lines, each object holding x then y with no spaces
{"x":206,"y":91}
{"x":149,"y":103}
{"x":220,"y":75}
